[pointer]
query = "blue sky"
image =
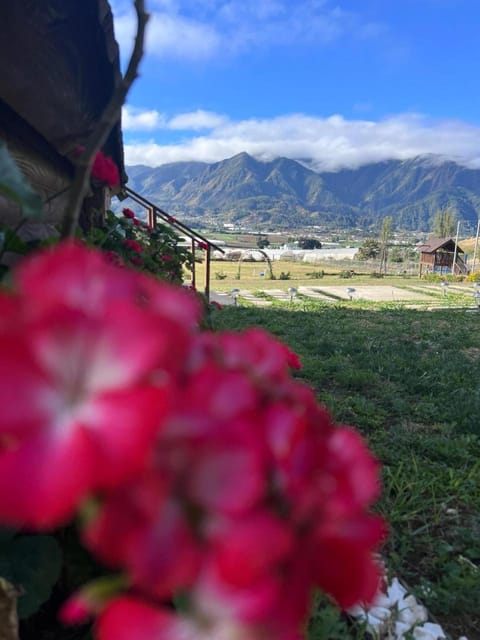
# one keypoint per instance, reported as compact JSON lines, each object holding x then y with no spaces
{"x":338,"y":83}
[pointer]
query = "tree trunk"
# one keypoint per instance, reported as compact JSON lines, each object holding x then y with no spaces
{"x":8,"y":611}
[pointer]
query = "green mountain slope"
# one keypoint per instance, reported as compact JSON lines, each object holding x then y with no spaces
{"x":284,"y":193}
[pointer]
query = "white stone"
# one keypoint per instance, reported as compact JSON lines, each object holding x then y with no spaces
{"x":396,"y":591}
{"x":411,"y":612}
{"x":429,"y":631}
{"x":400,"y":629}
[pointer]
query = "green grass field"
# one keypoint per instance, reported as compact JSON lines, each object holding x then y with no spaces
{"x":224,"y":275}
{"x":250,"y":275}
{"x":409,"y":380}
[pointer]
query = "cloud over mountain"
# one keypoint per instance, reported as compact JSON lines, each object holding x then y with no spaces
{"x":284,"y":193}
{"x":326,"y":143}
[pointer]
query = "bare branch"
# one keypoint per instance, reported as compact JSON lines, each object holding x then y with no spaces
{"x":107,"y":121}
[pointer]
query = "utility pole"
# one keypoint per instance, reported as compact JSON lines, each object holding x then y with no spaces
{"x":456,"y":249}
{"x":476,"y":246}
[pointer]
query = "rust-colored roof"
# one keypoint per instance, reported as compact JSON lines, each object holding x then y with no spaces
{"x":59,"y":63}
{"x":434,"y":244}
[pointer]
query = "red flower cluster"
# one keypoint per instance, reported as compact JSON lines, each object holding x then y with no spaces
{"x":203,"y":245}
{"x":218,"y":475}
{"x":105,"y":170}
{"x":128,"y":213}
{"x":77,"y":384}
{"x":133,"y":245}
{"x":137,"y":261}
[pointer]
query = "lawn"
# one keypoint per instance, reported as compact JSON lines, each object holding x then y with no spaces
{"x":409,"y":380}
{"x":224,"y":275}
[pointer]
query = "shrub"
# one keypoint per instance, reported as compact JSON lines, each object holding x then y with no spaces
{"x":315,"y":274}
{"x":284,"y":276}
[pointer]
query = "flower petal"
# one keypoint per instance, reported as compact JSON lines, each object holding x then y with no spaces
{"x":44,"y":479}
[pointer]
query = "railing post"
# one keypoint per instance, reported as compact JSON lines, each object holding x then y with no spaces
{"x":151,"y":218}
{"x":194,"y":279}
{"x":207,"y":274}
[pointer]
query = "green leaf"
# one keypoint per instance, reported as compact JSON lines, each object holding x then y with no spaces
{"x":15,"y":187}
{"x":10,"y":241}
{"x":33,"y":564}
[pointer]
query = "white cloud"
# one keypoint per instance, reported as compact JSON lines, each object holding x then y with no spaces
{"x":201,"y":29}
{"x":197,"y":120}
{"x":328,"y":143}
{"x":168,"y":36}
{"x":135,"y":119}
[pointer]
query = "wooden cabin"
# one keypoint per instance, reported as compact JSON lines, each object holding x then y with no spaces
{"x":437,"y":256}
{"x":59,"y":63}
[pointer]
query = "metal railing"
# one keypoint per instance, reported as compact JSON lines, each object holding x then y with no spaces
{"x":155,"y":213}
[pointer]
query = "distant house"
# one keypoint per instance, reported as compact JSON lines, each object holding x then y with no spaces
{"x":437,"y":256}
{"x":59,"y":63}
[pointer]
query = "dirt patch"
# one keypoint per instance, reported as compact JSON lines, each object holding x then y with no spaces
{"x":473,"y":353}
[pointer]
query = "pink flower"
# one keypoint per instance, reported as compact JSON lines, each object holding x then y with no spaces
{"x":87,"y":401}
{"x":128,"y":213}
{"x":88,"y":379}
{"x":142,"y":529}
{"x":114,"y":258}
{"x":76,"y":610}
{"x":137,"y":222}
{"x":252,"y":498}
{"x":217,"y":475}
{"x":137,"y":261}
{"x":249,"y":548}
{"x":105,"y":170}
{"x":133,"y":245}
{"x":130,"y":618}
{"x":343,"y":563}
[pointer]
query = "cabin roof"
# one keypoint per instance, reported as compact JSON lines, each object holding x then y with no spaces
{"x":434,"y":244}
{"x":59,"y":63}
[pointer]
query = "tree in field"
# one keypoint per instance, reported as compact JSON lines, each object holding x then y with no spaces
{"x":309,"y":243}
{"x":443,"y":223}
{"x":385,"y":236}
{"x":396,"y":255}
{"x":369,"y":249}
{"x":263,"y":242}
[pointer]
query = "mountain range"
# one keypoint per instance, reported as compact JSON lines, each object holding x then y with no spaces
{"x":284,"y":193}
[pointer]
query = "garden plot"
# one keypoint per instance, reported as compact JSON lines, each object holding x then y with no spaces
{"x":221,"y":298}
{"x":278,"y":294}
{"x":383,"y":293}
{"x":250,"y":297}
{"x":314,"y":293}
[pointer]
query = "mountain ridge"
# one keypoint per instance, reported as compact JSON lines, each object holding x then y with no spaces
{"x":284,"y":193}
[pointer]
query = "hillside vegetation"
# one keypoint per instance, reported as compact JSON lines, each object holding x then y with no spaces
{"x":286,"y":194}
